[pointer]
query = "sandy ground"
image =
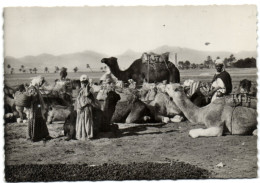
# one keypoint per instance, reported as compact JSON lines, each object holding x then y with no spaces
{"x":138,"y":143}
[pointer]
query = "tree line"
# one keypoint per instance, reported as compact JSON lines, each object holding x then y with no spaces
{"x":57,"y":69}
{"x":230,"y":62}
{"x":208,"y":63}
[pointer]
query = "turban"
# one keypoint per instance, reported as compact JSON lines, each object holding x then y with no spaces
{"x":219,"y":62}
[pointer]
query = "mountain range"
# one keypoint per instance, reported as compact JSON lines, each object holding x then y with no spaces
{"x":80,"y":59}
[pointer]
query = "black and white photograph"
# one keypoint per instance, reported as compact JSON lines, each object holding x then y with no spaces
{"x":120,"y":93}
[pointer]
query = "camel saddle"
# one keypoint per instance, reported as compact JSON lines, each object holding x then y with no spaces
{"x":155,"y":58}
{"x":241,"y":99}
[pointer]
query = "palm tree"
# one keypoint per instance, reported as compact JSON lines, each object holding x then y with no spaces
{"x":46,"y":70}
{"x":22,"y":66}
{"x":187,"y":64}
{"x":231,"y":58}
{"x":56,"y":69}
{"x":24,"y":71}
{"x":75,"y":69}
{"x":9,"y":66}
{"x":193,"y":66}
{"x":12,"y":70}
{"x":35,"y":70}
{"x":88,"y":67}
{"x":30,"y":71}
{"x":20,"y":70}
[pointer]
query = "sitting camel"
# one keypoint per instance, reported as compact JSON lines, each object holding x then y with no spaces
{"x":216,"y":116}
{"x":161,"y":109}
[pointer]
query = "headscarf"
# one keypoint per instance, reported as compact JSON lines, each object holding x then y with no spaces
{"x":37,"y":81}
{"x":220,"y":62}
{"x":83,"y":78}
{"x":34,"y":91}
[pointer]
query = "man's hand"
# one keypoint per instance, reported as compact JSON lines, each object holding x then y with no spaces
{"x":211,"y":93}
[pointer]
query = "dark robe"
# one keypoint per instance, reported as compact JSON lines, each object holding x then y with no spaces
{"x":225,"y":77}
{"x":37,"y":128}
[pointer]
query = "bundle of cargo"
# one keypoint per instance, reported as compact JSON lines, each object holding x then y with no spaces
{"x":241,"y":99}
{"x":155,"y":58}
{"x":22,"y":99}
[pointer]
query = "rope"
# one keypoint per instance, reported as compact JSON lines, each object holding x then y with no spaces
{"x":231,"y":124}
{"x":166,"y":65}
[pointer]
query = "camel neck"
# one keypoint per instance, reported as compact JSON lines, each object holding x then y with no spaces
{"x":190,"y":110}
{"x":115,"y":70}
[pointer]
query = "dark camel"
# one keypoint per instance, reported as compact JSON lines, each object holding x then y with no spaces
{"x":138,"y":71}
{"x":102,"y":119}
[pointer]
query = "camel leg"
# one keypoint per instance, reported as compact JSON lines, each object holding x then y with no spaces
{"x":176,"y":119}
{"x":209,"y":132}
{"x":161,"y":118}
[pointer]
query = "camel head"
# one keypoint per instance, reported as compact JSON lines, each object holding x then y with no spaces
{"x":245,"y":86}
{"x":110,"y":62}
{"x":174,"y":90}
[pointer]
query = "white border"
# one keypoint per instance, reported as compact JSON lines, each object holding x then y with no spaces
{"x":53,"y":3}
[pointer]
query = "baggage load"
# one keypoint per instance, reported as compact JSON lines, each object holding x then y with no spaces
{"x":22,"y":100}
{"x":155,"y":58}
{"x":235,"y":100}
{"x":242,"y":100}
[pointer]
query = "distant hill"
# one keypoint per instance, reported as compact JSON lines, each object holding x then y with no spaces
{"x":127,"y":58}
{"x":196,"y":56}
{"x":92,"y":58}
{"x":183,"y":54}
{"x":70,"y":61}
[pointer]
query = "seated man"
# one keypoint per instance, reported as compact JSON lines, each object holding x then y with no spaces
{"x":221,"y":83}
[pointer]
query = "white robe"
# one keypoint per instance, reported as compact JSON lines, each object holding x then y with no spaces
{"x":218,"y":83}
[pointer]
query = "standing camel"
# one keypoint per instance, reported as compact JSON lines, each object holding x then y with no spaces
{"x":140,"y":71}
{"x":216,"y":116}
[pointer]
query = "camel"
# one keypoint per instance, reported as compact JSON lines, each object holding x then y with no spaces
{"x":161,"y":109}
{"x":138,"y":71}
{"x":217,"y":116}
{"x":101,"y":118}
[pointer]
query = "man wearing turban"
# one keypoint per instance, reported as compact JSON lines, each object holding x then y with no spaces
{"x":221,"y":82}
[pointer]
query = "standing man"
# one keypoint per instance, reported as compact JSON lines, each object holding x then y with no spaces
{"x":221,"y":83}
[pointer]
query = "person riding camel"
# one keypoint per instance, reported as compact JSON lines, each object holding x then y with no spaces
{"x":221,"y":82}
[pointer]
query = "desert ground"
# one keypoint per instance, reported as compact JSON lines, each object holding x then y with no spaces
{"x":236,"y":156}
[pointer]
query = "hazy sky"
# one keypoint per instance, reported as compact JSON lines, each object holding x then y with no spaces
{"x":113,"y":30}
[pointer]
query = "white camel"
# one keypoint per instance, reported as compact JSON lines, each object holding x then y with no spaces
{"x":216,"y":116}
